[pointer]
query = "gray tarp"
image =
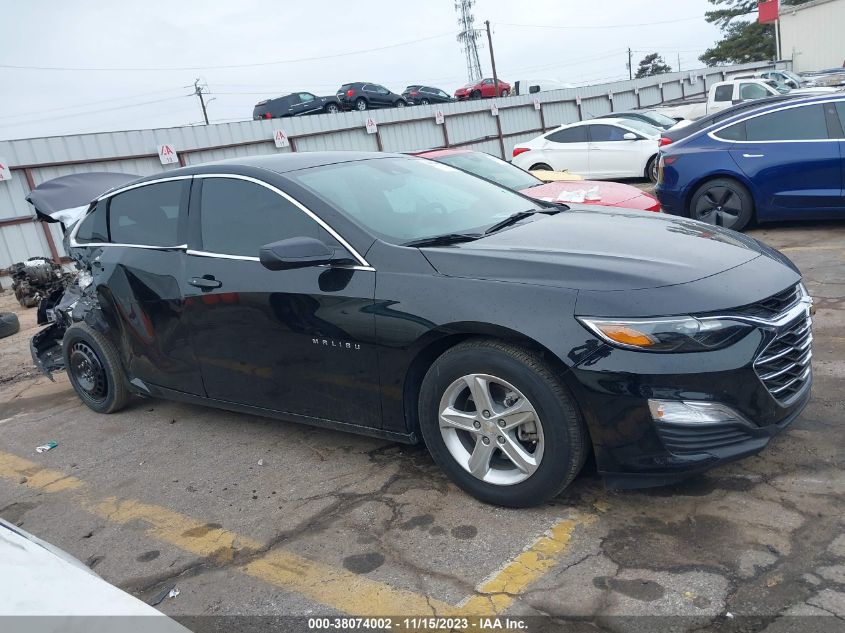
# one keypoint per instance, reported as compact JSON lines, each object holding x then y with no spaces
{"x":65,"y":199}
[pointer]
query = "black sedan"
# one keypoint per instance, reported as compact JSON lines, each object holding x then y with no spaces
{"x":425,"y":95}
{"x":295,"y":104}
{"x":361,"y":95}
{"x":405,"y":299}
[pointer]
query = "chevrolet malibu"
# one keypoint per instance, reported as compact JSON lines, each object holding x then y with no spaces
{"x":405,"y":299}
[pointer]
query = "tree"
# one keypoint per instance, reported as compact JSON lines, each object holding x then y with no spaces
{"x":743,"y":40}
{"x":652,"y":64}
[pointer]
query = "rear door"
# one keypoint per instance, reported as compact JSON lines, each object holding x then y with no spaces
{"x":792,"y":161}
{"x":298,"y":341}
{"x":140,"y":275}
{"x":611,"y":155}
{"x":567,"y":149}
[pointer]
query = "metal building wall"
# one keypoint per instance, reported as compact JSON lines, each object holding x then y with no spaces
{"x":468,"y":124}
{"x":812,"y":34}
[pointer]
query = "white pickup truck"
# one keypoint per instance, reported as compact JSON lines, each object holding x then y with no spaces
{"x":724,"y":94}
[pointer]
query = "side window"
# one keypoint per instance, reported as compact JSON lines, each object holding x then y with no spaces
{"x":752,"y":91}
{"x":735,"y":132}
{"x":487,"y":82}
{"x":569,"y":135}
{"x":792,"y":124}
{"x":305,"y":97}
{"x":368,"y":88}
{"x":93,"y":227}
{"x":239,"y":217}
{"x":440,"y":93}
{"x":382,"y":90}
{"x":533,"y":89}
{"x":603,"y":133}
{"x":148,"y":215}
{"x":840,"y":110}
{"x":724,"y":93}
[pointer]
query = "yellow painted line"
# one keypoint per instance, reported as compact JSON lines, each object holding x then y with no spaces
{"x":336,"y":588}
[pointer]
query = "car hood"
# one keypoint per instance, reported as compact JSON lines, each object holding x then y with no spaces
{"x":609,"y":193}
{"x":599,"y":248}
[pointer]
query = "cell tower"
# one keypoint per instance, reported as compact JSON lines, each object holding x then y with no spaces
{"x":469,"y":38}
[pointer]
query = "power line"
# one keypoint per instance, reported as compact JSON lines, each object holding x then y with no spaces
{"x":85,"y":105}
{"x":228,"y":66}
{"x":75,"y":114}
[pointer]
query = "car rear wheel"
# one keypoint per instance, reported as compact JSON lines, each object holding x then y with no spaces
{"x":541,"y":167}
{"x":651,"y":169}
{"x":425,"y":101}
{"x":332,"y":108}
{"x":361,"y":104}
{"x":501,"y":424}
{"x":723,"y":202}
{"x":94,"y":369}
{"x":400,"y":104}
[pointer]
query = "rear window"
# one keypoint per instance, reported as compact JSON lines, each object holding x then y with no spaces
{"x":147,"y":216}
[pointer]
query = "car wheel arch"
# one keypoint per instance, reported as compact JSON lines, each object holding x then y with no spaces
{"x":439,"y":341}
{"x":692,"y":187}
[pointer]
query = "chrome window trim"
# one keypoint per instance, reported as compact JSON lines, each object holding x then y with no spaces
{"x":249,"y":258}
{"x":363,"y":262}
{"x":713,"y":133}
{"x":137,"y":185}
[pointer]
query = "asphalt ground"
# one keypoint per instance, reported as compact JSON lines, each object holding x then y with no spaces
{"x":254,"y":517}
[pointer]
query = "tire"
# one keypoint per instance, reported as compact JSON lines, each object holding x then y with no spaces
{"x":475,"y":94}
{"x":541,"y":167}
{"x":361,"y":104}
{"x":651,"y":169}
{"x":94,"y":369}
{"x":722,"y":202}
{"x":399,"y":104}
{"x":331,"y":108}
{"x":541,"y":406}
{"x":9,"y":324}
{"x":425,"y":102}
{"x":505,"y":93}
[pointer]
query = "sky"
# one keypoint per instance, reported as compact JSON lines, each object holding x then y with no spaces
{"x":93,"y":66}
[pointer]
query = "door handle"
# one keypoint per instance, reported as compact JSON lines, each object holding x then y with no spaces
{"x":753,"y":155}
{"x":206,"y":282}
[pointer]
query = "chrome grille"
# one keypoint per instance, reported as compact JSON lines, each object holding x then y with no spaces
{"x":774,"y":305}
{"x":784,"y":365}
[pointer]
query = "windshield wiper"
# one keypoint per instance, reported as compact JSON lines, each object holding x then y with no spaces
{"x":442,"y":240}
{"x":519,"y":215}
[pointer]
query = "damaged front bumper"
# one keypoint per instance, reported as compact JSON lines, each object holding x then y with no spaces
{"x":46,"y":349}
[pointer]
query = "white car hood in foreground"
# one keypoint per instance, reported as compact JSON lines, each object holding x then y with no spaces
{"x":37,"y":579}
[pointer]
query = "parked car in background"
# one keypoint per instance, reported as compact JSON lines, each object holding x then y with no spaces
{"x":483,"y":89}
{"x":688,"y":128}
{"x":780,"y":162}
{"x":613,"y":148}
{"x":832,"y":77}
{"x":532,"y":86}
{"x":610,"y":194}
{"x":295,"y":104}
{"x":724,"y":94}
{"x":652,"y":117}
{"x":361,"y":95}
{"x":425,"y":95}
{"x":392,"y":296}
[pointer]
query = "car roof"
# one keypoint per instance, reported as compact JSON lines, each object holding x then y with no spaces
{"x":443,"y":151}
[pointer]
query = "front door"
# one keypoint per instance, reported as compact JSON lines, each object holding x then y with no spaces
{"x":299,"y":341}
{"x":611,"y":155}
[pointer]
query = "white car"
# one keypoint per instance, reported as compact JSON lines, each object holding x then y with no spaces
{"x":596,"y":149}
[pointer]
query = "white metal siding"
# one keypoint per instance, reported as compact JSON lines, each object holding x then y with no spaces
{"x":812,"y":35}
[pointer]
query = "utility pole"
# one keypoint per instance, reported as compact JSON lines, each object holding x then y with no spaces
{"x":198,"y":90}
{"x":630,"y":66}
{"x":679,"y":62}
{"x":492,"y":58}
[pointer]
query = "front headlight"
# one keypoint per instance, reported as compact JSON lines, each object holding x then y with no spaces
{"x":672,"y":334}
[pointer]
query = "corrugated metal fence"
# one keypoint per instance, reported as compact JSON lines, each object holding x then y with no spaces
{"x":467,"y":124}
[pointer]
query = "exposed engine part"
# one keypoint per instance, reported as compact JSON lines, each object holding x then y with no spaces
{"x":37,"y":278}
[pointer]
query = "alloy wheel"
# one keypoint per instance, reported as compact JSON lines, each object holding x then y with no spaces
{"x":88,"y":372}
{"x":332,"y":109}
{"x":720,"y":206}
{"x":491,"y":429}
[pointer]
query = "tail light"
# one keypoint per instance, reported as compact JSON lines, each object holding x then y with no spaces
{"x":664,"y":141}
{"x":519,"y":150}
{"x":350,"y":92}
{"x":414,"y":93}
{"x":267,"y":115}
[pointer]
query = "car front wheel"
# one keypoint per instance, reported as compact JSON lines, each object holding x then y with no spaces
{"x":94,"y":369}
{"x":722,"y":202}
{"x":400,"y":104}
{"x":501,"y":424}
{"x":332,"y":109}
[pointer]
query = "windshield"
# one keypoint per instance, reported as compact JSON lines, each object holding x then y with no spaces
{"x":642,"y":127}
{"x":791,"y":75}
{"x":402,"y":199}
{"x":491,"y":168}
{"x":778,"y":85}
{"x":660,"y":119}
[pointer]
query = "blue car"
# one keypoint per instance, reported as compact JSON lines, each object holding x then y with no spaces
{"x":784,"y":161}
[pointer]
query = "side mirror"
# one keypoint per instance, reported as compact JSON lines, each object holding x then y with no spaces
{"x":630,"y":136}
{"x":296,"y":252}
